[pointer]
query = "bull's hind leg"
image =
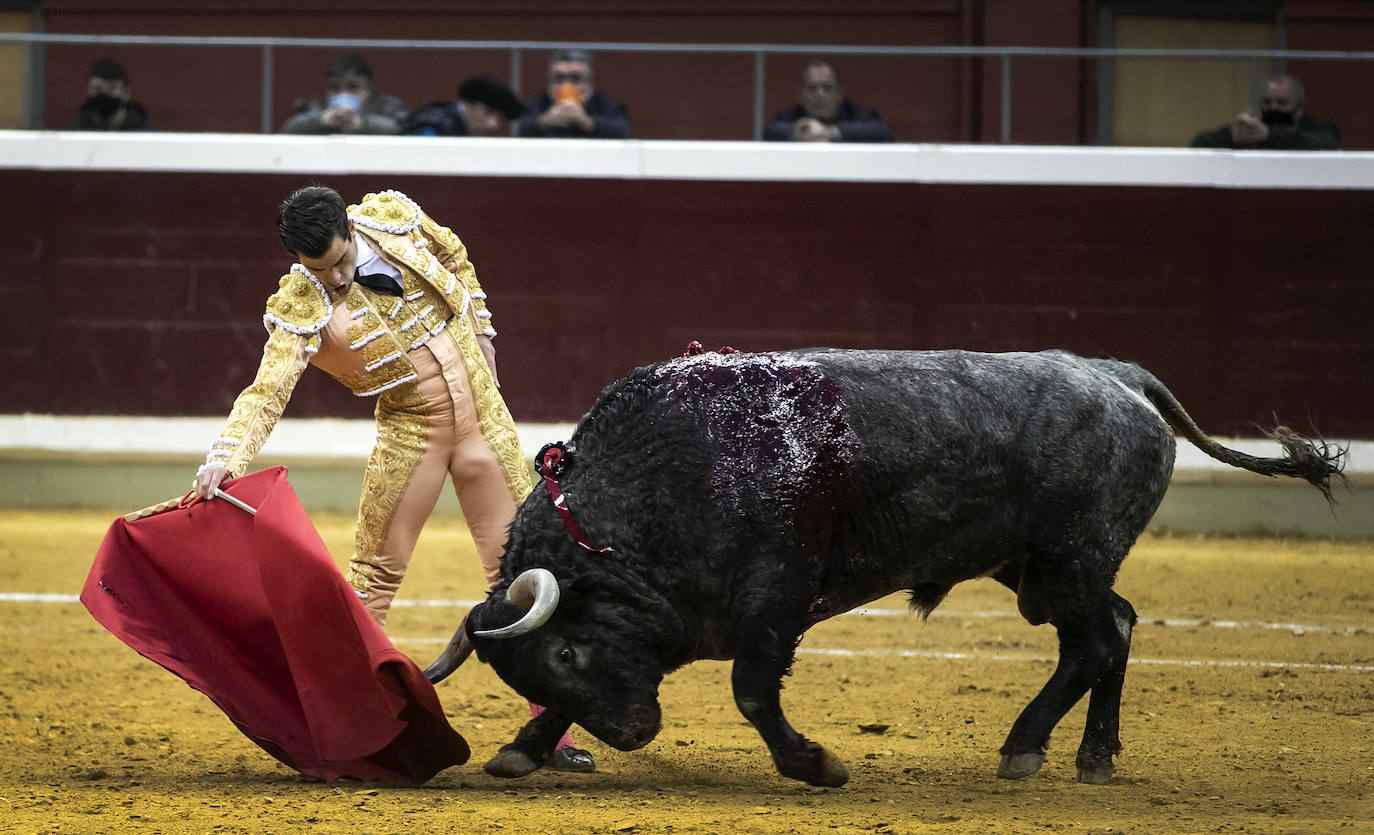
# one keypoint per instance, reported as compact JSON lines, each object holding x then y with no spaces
{"x":1101,"y":739}
{"x":757,"y":681}
{"x":1094,"y":643}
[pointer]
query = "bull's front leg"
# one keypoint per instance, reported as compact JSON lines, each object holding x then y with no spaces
{"x":531,"y":748}
{"x":757,"y":681}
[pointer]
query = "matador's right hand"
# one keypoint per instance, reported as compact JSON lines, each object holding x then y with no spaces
{"x":208,"y":480}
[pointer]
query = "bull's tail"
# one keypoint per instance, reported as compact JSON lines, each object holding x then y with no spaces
{"x":1314,"y":461}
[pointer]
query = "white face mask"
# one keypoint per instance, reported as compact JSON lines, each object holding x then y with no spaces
{"x":352,"y":101}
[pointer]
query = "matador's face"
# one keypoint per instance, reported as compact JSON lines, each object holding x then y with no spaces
{"x":337,"y":265}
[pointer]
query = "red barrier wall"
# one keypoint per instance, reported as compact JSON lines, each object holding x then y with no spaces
{"x":141,"y":293}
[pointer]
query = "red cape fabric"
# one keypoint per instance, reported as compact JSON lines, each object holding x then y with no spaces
{"x":252,"y":612}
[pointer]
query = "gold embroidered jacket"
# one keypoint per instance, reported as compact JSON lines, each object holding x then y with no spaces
{"x":362,"y":338}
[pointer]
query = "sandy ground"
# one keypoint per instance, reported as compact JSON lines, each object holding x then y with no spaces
{"x":1249,"y":708}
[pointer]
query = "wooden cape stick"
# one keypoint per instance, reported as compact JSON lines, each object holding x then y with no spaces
{"x":172,"y":504}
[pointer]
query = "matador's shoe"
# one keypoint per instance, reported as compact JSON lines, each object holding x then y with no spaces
{"x":568,"y":758}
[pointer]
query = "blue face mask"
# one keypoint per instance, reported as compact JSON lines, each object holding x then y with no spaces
{"x":349,"y":100}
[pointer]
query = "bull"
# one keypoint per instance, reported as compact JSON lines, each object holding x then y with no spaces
{"x":743,"y":498}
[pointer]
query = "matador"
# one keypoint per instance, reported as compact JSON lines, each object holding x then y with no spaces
{"x":385,"y":300}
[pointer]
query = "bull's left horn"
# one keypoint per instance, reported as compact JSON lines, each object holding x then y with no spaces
{"x":535,"y":591}
{"x":457,"y":651}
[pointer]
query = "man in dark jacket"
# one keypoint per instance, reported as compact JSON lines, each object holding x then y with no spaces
{"x":484,"y":107}
{"x":571,"y":106}
{"x":107,"y":105}
{"x":1280,"y":126}
{"x":824,"y":114}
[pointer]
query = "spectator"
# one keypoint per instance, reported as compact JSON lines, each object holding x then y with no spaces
{"x":485,"y":107}
{"x":107,"y":105}
{"x":571,"y":106}
{"x":824,"y":114}
{"x":1281,"y":124}
{"x":351,"y":104}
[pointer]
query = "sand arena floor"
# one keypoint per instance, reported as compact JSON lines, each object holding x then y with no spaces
{"x":1249,"y":708}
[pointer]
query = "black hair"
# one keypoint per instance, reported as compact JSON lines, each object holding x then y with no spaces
{"x":310,"y":219}
{"x":109,"y":69}
{"x":349,"y":63}
{"x":493,"y":93}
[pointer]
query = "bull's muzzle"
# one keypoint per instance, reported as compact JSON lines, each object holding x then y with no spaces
{"x":639,"y":727}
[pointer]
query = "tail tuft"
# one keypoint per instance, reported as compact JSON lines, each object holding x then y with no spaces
{"x":1315,"y":461}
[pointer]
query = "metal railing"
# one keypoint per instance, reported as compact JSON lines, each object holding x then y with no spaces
{"x":1003,"y":54}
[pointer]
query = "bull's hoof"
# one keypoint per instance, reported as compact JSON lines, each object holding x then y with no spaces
{"x":1095,"y":765}
{"x":1095,"y":769}
{"x":833,"y":773}
{"x":1016,"y":766}
{"x":573,"y":759}
{"x":511,"y":762}
{"x":814,"y":765}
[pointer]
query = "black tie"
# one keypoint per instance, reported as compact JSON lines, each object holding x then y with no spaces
{"x":381,"y":282}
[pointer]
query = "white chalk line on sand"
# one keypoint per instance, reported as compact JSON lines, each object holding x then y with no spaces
{"x":862,"y":611}
{"x":1028,"y":659}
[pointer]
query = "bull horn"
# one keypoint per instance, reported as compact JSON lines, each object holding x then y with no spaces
{"x":535,"y":591}
{"x":457,"y":651}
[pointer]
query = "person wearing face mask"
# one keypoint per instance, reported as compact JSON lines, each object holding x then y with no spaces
{"x":351,"y":104}
{"x":823,"y":114}
{"x":1280,"y":126}
{"x":571,"y":106}
{"x":107,"y":105}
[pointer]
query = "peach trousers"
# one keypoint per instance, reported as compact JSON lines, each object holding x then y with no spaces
{"x":426,"y":430}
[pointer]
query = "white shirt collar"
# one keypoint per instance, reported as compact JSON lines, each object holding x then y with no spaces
{"x":370,"y":262}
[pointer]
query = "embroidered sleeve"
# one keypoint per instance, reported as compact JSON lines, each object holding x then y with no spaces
{"x":454,"y":256}
{"x":259,"y":406}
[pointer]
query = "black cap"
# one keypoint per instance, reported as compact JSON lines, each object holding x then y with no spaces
{"x":493,"y":93}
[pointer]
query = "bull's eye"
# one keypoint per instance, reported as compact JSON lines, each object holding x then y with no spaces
{"x":565,"y":655}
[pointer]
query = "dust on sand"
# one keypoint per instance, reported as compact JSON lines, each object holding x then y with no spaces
{"x":1249,"y":708}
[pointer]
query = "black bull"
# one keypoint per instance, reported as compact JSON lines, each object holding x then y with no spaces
{"x":749,"y":496}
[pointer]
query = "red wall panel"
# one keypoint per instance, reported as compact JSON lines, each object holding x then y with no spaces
{"x":142,"y":293}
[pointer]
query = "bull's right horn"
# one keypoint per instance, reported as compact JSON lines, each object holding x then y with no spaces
{"x":535,"y":591}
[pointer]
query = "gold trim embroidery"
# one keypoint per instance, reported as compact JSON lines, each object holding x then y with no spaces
{"x":390,"y":211}
{"x":300,"y":304}
{"x":395,"y":456}
{"x":378,"y":352}
{"x":257,"y":409}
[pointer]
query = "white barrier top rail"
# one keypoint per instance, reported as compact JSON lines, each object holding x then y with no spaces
{"x":685,"y":160}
